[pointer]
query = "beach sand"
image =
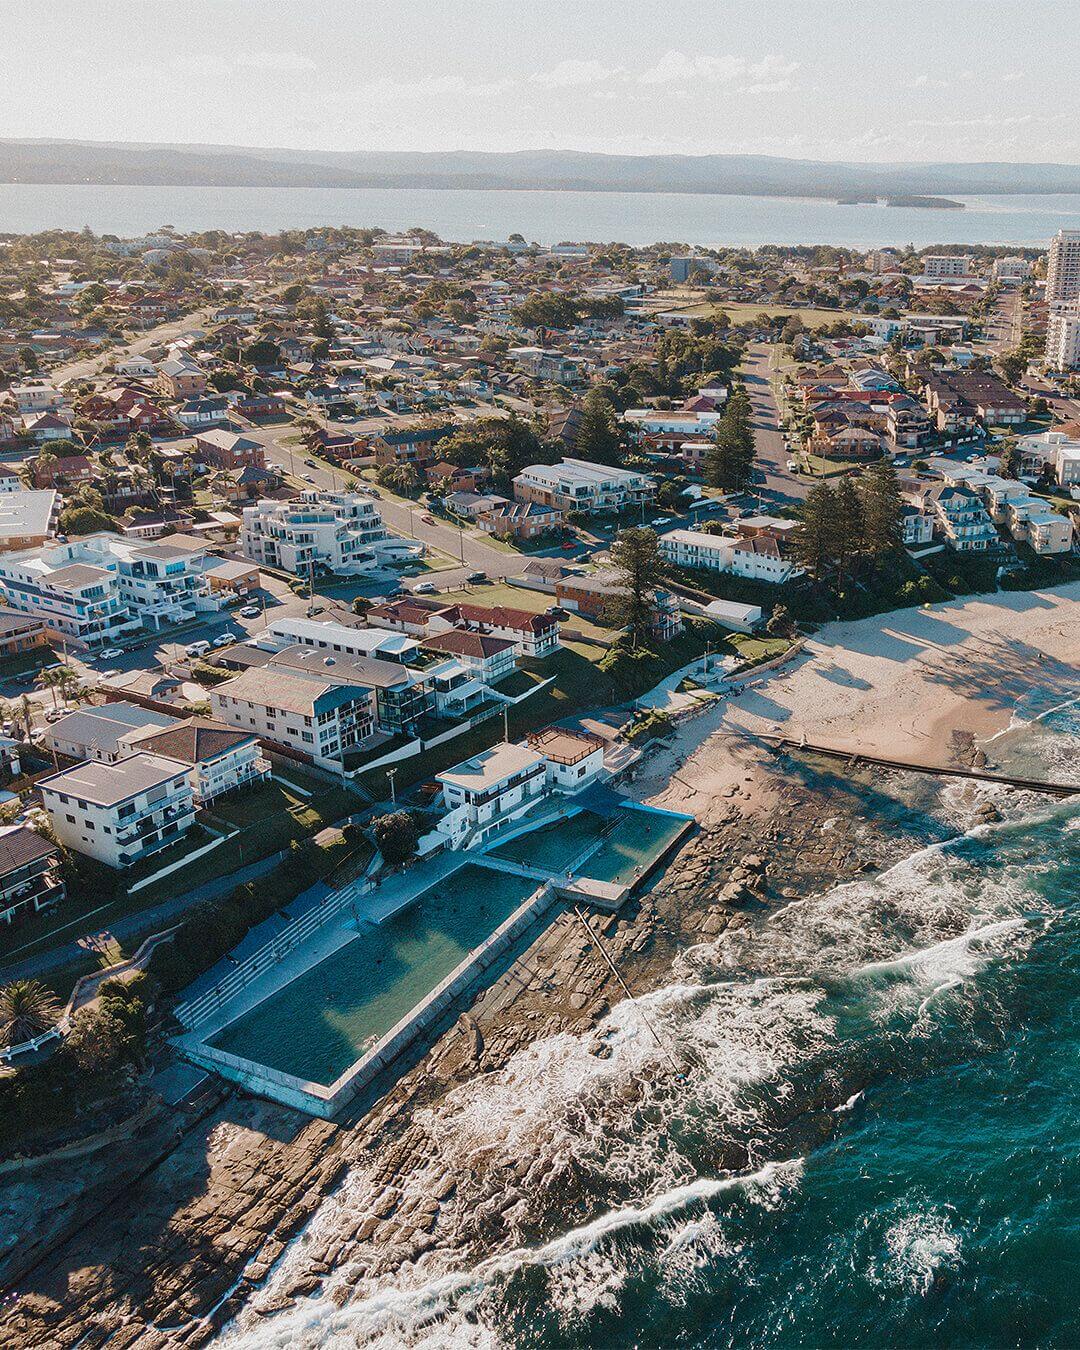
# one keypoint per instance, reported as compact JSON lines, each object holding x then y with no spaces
{"x":902,"y":685}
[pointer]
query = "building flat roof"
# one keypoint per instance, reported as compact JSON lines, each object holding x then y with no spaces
{"x":110,"y":784}
{"x":491,"y":766}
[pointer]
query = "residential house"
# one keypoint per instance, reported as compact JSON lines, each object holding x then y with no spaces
{"x":520,"y":520}
{"x":220,"y":758}
{"x":757,"y":557}
{"x":180,"y":378}
{"x":962,"y":519}
{"x":30,"y":879}
{"x":597,"y":597}
{"x":120,"y":813}
{"x":102,"y":733}
{"x":229,"y":450}
{"x":489,"y":659}
{"x":27,"y":519}
{"x":305,"y":714}
{"x":403,"y":697}
{"x":409,"y":445}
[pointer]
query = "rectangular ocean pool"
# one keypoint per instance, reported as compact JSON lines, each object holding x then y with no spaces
{"x":326,"y":1019}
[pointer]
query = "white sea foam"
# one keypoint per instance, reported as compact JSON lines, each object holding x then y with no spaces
{"x":916,"y":1250}
{"x":402,"y":1310}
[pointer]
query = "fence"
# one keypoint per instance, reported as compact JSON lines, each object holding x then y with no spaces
{"x":205,"y":1006}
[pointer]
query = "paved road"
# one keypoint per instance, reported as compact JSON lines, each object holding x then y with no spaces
{"x":86,"y":367}
{"x":1004,"y":326}
{"x":780,"y":486}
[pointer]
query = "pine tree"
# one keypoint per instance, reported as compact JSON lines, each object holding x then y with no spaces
{"x":1009,"y":458}
{"x":882,"y":510}
{"x":847,"y":529}
{"x":639,"y":568}
{"x":597,"y":439}
{"x":813,"y":536}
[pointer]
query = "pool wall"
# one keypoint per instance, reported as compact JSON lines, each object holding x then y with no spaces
{"x":319,"y":1100}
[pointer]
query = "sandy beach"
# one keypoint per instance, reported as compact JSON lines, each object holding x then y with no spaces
{"x":904,"y":685}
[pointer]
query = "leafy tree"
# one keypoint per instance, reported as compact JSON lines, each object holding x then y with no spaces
{"x":545,"y":311}
{"x":28,"y":359}
{"x":404,"y":479}
{"x":639,"y":568}
{"x":1009,"y":465}
{"x":84,"y":520}
{"x":812,"y":537}
{"x":27,"y":1009}
{"x":98,"y":1041}
{"x":597,"y":438}
{"x":395,"y":836}
{"x":501,"y":446}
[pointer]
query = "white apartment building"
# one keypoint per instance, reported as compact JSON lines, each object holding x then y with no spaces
{"x":341,"y":639}
{"x":319,"y":717}
{"x":499,"y":785}
{"x":946,"y":265}
{"x":1011,"y":271}
{"x":36,"y":398}
{"x":653,"y":422}
{"x":100,"y":589}
{"x":577,"y":485}
{"x":1051,"y":447}
{"x":339,"y":531}
{"x":758,"y":559}
{"x":1063,"y":267}
{"x":1063,"y":337}
{"x":119,"y":813}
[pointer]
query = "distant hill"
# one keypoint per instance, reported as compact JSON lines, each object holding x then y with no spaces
{"x":45,"y":161}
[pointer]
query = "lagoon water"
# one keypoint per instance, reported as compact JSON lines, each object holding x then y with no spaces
{"x":895,"y":1057}
{"x":465,"y":214}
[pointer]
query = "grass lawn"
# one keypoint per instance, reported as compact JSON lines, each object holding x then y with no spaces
{"x":752,"y":648}
{"x":740,"y":312}
{"x":533,"y":602}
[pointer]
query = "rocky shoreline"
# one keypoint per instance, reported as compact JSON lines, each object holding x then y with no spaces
{"x":185,"y":1250}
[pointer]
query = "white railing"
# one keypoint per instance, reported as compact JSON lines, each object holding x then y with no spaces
{"x":198,"y":1010}
{"x":54,"y":1033}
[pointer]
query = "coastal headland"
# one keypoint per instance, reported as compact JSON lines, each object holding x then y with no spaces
{"x":171,"y":1237}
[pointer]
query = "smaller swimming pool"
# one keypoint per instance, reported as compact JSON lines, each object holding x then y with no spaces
{"x":630,"y":840}
{"x":633,"y":841}
{"x":326,"y":1019}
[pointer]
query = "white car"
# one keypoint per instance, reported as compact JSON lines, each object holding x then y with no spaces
{"x":224,"y":640}
{"x":661,"y":520}
{"x":197,"y":649}
{"x":249,"y":612}
{"x":425,"y":588}
{"x":109,"y":653}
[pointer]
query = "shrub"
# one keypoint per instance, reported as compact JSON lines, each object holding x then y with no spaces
{"x":395,"y":835}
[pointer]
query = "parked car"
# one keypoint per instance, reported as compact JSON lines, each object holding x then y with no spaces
{"x":224,"y":639}
{"x":428,"y":519}
{"x":475,"y":577}
{"x":109,"y":653}
{"x":197,"y":648}
{"x":307,"y":478}
{"x":425,"y":588}
{"x":661,"y":520}
{"x":250,"y":612}
{"x":54,"y":714}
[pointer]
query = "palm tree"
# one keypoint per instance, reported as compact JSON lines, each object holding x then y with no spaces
{"x":27,"y":1009}
{"x":49,"y":679}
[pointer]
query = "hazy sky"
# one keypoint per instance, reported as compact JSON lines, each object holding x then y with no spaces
{"x":839,"y":79}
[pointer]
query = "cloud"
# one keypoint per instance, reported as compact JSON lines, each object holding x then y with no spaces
{"x":772,"y":74}
{"x":280,"y":62}
{"x":573,"y":74}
